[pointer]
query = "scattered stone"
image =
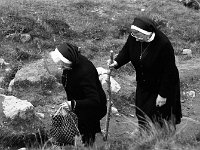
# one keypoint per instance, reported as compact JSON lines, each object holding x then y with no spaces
{"x":25,"y":38}
{"x":22,"y":149}
{"x":3,"y":64}
{"x":40,"y":115}
{"x":11,"y":85}
{"x":132,"y":115}
{"x":114,"y":110}
{"x":187,"y":52}
{"x":182,"y":101}
{"x":191,"y":94}
{"x":8,"y":69}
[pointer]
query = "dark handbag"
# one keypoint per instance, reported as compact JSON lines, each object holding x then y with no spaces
{"x":64,"y":127}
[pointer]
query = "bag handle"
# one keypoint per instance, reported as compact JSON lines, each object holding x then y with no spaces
{"x":57,"y":111}
{"x":61,"y":109}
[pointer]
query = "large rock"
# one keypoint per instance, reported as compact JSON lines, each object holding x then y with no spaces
{"x":103,"y":77}
{"x":32,"y":72}
{"x":36,"y":75}
{"x":12,"y":106}
{"x":20,"y":126}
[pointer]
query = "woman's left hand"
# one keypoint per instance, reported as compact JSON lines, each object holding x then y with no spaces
{"x":160,"y":101}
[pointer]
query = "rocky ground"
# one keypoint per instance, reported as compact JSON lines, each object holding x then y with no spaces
{"x":32,"y":81}
{"x":122,"y":126}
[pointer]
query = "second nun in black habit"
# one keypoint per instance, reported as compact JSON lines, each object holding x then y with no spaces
{"x":157,"y":76}
{"x":85,"y":94}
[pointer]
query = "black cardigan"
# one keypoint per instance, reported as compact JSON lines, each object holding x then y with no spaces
{"x":84,"y":87}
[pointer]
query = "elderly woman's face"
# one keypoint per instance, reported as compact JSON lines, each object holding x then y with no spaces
{"x":140,"y":36}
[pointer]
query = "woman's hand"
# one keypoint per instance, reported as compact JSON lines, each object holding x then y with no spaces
{"x":66,"y":105}
{"x":160,"y":101}
{"x":111,"y":65}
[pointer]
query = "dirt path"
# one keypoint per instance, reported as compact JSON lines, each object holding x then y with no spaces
{"x":189,"y":68}
{"x":190,"y":75}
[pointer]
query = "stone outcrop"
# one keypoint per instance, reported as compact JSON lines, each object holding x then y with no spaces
{"x":20,"y":126}
{"x":35,"y":75}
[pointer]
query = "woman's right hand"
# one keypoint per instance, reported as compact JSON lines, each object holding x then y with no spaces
{"x":112,"y":65}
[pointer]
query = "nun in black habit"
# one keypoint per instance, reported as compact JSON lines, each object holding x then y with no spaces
{"x":85,"y":94}
{"x":157,"y":76}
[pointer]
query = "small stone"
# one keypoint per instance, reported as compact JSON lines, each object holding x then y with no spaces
{"x":114,"y":110}
{"x":182,"y":101}
{"x":8,"y":69}
{"x":22,"y":149}
{"x":10,"y":85}
{"x":187,"y":52}
{"x":191,"y":94}
{"x":3,"y":64}
{"x":41,"y":115}
{"x":132,"y":115}
{"x":25,"y":38}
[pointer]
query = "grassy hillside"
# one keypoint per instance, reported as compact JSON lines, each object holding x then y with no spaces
{"x":96,"y":26}
{"x":101,"y":25}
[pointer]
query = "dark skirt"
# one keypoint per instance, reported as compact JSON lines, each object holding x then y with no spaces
{"x":146,"y":106}
{"x":88,"y":129}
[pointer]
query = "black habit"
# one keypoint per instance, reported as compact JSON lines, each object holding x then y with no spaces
{"x":156,"y":73}
{"x":82,"y":85}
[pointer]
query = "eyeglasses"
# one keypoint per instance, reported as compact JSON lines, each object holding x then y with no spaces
{"x":133,"y":35}
{"x":139,"y":36}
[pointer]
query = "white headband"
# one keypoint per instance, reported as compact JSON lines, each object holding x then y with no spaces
{"x":57,"y":56}
{"x":140,"y":30}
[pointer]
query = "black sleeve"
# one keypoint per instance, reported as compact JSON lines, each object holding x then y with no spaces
{"x":168,"y":74}
{"x":123,"y":56}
